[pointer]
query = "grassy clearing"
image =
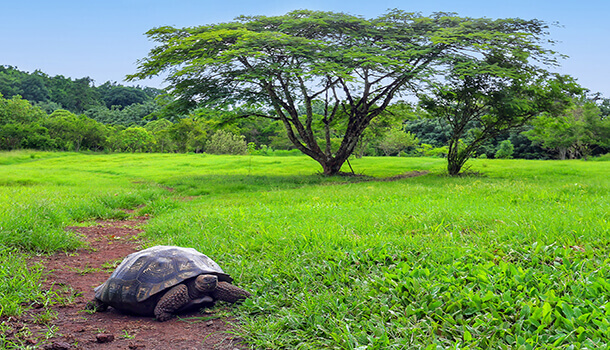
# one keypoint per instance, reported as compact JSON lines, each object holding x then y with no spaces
{"x":515,"y":258}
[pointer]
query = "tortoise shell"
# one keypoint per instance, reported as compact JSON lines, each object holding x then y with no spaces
{"x":138,"y":281}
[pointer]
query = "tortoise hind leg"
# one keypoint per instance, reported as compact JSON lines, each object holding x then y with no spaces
{"x":169,"y":303}
{"x":229,"y":293}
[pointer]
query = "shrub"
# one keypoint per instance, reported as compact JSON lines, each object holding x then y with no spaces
{"x":602,"y":158}
{"x":136,"y":139}
{"x":224,"y":142}
{"x":505,"y":151}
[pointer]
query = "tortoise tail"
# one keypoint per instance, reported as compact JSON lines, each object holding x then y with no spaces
{"x":229,"y":293}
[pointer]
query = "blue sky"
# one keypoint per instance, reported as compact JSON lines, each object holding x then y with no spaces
{"x":104,"y":39}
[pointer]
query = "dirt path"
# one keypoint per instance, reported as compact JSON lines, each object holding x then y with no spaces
{"x":75,"y":274}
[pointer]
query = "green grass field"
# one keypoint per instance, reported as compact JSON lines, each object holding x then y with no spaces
{"x":514,"y":257}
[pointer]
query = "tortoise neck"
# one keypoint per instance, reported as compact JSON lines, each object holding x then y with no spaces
{"x":194,"y":293}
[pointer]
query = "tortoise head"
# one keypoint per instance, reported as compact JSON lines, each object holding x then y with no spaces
{"x":206,"y":283}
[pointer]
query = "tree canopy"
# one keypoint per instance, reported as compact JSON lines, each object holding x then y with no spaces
{"x":323,"y":84}
{"x":354,"y":66}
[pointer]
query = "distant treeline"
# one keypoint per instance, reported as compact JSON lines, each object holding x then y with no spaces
{"x":59,"y":113}
{"x":75,"y":95}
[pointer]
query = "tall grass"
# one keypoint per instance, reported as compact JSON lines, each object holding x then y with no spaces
{"x":16,"y":275}
{"x":514,"y":257}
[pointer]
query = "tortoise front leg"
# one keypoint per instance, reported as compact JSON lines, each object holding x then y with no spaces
{"x":230,"y":293}
{"x":173,"y":300}
{"x":96,"y":306}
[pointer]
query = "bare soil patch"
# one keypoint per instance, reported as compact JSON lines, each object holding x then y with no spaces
{"x":409,"y":174}
{"x":366,"y":178}
{"x":75,"y":274}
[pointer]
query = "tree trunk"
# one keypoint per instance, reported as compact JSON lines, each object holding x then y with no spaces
{"x":455,"y":160}
{"x":454,"y":168}
{"x":332,"y":167}
{"x":562,"y":153}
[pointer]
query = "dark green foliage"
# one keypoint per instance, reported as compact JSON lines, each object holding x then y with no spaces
{"x":74,"y":95}
{"x":19,"y":126}
{"x":134,"y":114}
{"x":33,"y":88}
{"x":429,"y":130}
{"x":433,"y":132}
{"x":524,"y":147}
{"x":188,"y":135}
{"x":72,"y":132}
{"x":263,"y":131}
{"x":18,"y":136}
{"x":114,"y":94}
{"x":25,"y":126}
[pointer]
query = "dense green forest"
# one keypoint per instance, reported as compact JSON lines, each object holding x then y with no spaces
{"x":38,"y":111}
{"x":77,"y":95}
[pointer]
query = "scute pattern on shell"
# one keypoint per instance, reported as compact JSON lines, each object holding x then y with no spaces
{"x":143,"y":274}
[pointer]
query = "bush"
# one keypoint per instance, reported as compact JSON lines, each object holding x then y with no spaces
{"x":265,"y":150}
{"x":602,"y":158}
{"x":505,"y":151}
{"x":132,"y":139}
{"x":224,"y":142}
{"x":287,"y":153}
{"x":428,"y":150}
{"x":397,"y":140}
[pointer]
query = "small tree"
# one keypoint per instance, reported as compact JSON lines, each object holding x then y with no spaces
{"x":160,"y":130}
{"x":65,"y":128}
{"x":18,"y":111}
{"x":189,"y":134}
{"x":73,"y":132}
{"x":490,"y":97}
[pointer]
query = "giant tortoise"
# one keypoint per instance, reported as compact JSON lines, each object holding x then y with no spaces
{"x":164,"y":280}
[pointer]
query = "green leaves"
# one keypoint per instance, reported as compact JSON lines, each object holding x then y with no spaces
{"x":498,"y":300}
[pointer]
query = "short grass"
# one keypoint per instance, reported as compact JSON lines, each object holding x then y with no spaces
{"x":514,"y":257}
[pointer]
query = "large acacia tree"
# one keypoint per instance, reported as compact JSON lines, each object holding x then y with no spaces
{"x":354,"y":66}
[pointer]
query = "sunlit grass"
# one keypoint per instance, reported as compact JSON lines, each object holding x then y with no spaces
{"x":513,"y":255}
{"x":427,"y":261}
